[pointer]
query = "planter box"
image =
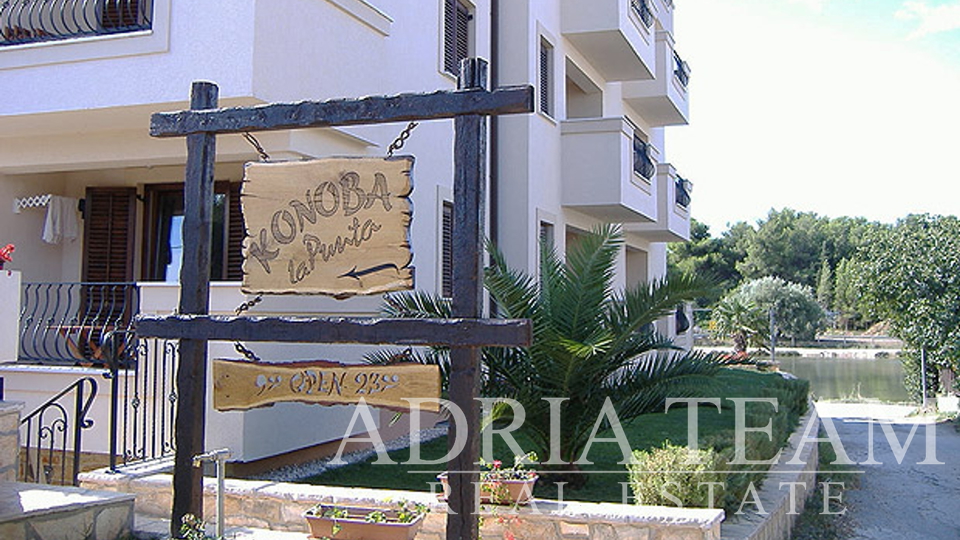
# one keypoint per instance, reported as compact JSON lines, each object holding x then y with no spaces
{"x":355,"y":527}
{"x":499,"y":492}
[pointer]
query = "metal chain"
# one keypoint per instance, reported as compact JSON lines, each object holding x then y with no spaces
{"x":240,"y":347}
{"x":264,"y":156}
{"x":401,"y":139}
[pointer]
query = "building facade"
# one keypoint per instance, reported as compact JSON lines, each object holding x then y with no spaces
{"x":80,"y":81}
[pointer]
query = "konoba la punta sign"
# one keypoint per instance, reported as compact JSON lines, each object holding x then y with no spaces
{"x":334,"y":226}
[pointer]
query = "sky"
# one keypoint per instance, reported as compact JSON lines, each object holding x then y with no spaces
{"x":839,"y":107}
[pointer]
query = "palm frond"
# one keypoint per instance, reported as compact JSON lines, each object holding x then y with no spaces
{"x":416,"y":305}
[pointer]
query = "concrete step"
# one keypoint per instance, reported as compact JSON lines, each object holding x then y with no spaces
{"x":150,"y":528}
{"x":39,"y":511}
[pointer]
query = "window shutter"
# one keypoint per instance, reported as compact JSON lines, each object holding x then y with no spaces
{"x":236,"y":230}
{"x":117,"y":14}
{"x":108,"y":234}
{"x":446,"y":277}
{"x":546,"y":84}
{"x":456,"y":35}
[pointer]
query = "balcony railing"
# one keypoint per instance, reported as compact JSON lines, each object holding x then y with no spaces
{"x":30,"y":21}
{"x":681,"y":70}
{"x":65,"y":323}
{"x":683,"y":187}
{"x":642,"y":9}
{"x":642,"y":162}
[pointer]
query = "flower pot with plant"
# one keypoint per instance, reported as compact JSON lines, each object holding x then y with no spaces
{"x":363,"y":523}
{"x":503,"y":485}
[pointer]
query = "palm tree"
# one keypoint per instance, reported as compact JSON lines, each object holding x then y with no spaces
{"x":590,"y":343}
{"x":739,"y":319}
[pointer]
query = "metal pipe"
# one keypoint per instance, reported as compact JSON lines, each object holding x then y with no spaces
{"x":219,"y":457}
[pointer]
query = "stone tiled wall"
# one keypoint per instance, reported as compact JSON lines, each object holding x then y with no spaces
{"x":9,"y":439}
{"x":780,"y":508}
{"x":279,"y":506}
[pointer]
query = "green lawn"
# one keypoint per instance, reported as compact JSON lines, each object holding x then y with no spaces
{"x":606,"y":476}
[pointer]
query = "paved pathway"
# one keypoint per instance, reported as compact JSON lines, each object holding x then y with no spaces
{"x":910,"y":500}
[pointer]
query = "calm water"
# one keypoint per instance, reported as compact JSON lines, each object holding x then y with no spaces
{"x":835,"y":378}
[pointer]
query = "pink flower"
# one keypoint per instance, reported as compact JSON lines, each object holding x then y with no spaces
{"x":497,"y":463}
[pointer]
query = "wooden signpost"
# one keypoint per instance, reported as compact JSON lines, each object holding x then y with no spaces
{"x":465,"y":334}
{"x":337,"y":226}
{"x":241,"y":385}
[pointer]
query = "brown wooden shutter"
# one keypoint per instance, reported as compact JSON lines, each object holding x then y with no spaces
{"x":446,"y":247}
{"x":108,"y":234}
{"x":235,"y":233}
{"x":117,"y":14}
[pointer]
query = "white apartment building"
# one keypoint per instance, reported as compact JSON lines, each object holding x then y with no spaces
{"x":80,"y":80}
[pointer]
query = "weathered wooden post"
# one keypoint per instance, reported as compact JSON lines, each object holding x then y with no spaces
{"x":194,"y":300}
{"x":470,"y":157}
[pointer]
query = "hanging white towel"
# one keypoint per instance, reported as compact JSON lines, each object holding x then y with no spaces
{"x":62,"y":222}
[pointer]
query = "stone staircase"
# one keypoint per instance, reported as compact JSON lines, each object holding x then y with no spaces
{"x":43,"y":512}
{"x":46,"y":512}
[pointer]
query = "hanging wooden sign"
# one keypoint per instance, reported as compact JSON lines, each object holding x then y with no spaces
{"x":242,"y":385}
{"x":335,"y":226}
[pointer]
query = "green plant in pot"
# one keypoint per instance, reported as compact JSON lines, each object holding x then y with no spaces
{"x":503,"y":485}
{"x":331,"y":522}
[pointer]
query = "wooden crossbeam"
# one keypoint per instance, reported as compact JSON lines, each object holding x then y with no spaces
{"x":345,"y":112}
{"x":370,"y":331}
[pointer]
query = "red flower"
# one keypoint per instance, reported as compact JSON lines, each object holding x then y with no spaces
{"x":5,"y":253}
{"x":497,"y":463}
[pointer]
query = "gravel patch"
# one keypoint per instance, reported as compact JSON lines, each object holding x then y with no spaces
{"x":294,"y":473}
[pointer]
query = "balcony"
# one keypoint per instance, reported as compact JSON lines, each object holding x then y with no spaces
{"x":608,"y":172}
{"x":31,"y":21}
{"x":672,"y":223}
{"x":615,"y":36}
{"x":662,"y":101}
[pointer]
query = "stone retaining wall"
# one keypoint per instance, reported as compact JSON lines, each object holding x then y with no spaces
{"x":9,"y":440}
{"x":280,"y":506}
{"x":780,"y":509}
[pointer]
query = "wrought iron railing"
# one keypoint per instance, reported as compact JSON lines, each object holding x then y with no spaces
{"x":29,"y":21}
{"x":642,"y":9}
{"x":683,"y":188}
{"x":642,"y":162}
{"x":64,"y":323}
{"x":53,"y":435}
{"x":681,"y":70}
{"x":143,"y":397}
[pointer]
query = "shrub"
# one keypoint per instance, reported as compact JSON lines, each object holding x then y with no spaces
{"x":662,"y":476}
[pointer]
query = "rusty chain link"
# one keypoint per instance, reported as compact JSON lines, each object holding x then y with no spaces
{"x":401,"y":139}
{"x":240,"y":347}
{"x":264,"y":156}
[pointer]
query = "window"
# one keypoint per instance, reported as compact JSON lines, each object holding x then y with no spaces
{"x":642,"y":162}
{"x":163,"y":239}
{"x":546,"y":235}
{"x":545,"y":86}
{"x":123,"y":14}
{"x":456,"y":35}
{"x":446,"y":249}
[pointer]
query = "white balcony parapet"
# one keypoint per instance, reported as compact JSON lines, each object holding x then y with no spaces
{"x":615,"y":36}
{"x":663,"y":101}
{"x":672,"y":222}
{"x":601,"y":175}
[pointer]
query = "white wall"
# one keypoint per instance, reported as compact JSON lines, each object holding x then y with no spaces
{"x":9,"y":313}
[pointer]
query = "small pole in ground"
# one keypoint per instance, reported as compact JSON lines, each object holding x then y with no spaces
{"x":219,"y":457}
